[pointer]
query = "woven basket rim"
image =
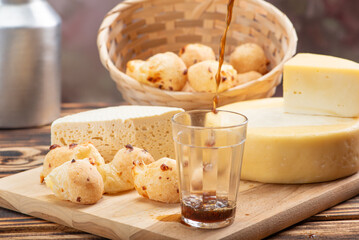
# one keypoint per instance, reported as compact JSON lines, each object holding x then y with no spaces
{"x":102,"y":38}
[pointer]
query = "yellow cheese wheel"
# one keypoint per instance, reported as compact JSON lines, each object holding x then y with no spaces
{"x":293,"y":148}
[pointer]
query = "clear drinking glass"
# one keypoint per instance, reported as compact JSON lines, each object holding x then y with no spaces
{"x":209,"y":150}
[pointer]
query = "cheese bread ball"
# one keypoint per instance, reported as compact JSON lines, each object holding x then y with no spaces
{"x":157,"y":181}
{"x":135,"y":70}
{"x":59,"y":155}
{"x":187,"y":88}
{"x":117,"y":175}
{"x":77,"y":181}
{"x":164,"y":71}
{"x":249,"y":57}
{"x":202,"y":76}
{"x":247,"y":77}
{"x":195,"y":53}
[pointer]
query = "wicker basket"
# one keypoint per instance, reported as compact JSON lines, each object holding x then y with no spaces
{"x":138,"y":29}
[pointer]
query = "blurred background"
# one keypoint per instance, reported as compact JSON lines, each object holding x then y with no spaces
{"x":323,"y":26}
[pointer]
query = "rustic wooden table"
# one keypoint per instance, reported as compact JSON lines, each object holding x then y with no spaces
{"x":23,"y":149}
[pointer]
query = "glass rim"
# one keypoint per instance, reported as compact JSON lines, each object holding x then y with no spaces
{"x":208,"y":110}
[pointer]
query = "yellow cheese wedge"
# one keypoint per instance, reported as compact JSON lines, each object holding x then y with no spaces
{"x":295,"y":148}
{"x":323,"y":85}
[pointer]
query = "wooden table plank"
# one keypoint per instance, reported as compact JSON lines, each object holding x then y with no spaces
{"x":348,"y":210}
{"x":341,"y":229}
{"x":341,"y":221}
{"x":15,"y":225}
{"x":18,"y":159}
{"x":49,"y":235}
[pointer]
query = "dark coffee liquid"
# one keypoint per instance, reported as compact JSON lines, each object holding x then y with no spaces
{"x":207,"y":210}
{"x":221,"y":53}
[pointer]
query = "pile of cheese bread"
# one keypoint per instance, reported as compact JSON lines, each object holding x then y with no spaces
{"x":309,"y":135}
{"x":78,"y":173}
{"x":194,"y":68}
{"x":108,"y":159}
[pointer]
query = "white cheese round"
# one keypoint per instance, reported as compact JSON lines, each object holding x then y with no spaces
{"x":293,"y":148}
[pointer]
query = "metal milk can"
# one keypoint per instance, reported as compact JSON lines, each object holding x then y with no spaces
{"x":30,"y":81}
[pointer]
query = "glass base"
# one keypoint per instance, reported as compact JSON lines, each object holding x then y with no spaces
{"x":212,"y":225}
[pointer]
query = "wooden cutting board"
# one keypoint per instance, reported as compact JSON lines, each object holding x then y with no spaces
{"x":263,"y":209}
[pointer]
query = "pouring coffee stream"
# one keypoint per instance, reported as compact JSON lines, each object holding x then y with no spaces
{"x":210,"y":208}
{"x":221,"y":53}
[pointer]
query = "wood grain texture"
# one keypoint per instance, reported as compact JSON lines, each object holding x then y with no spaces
{"x":321,"y":230}
{"x":16,"y":225}
{"x":349,"y":210}
{"x":17,"y":159}
{"x":262,"y":209}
